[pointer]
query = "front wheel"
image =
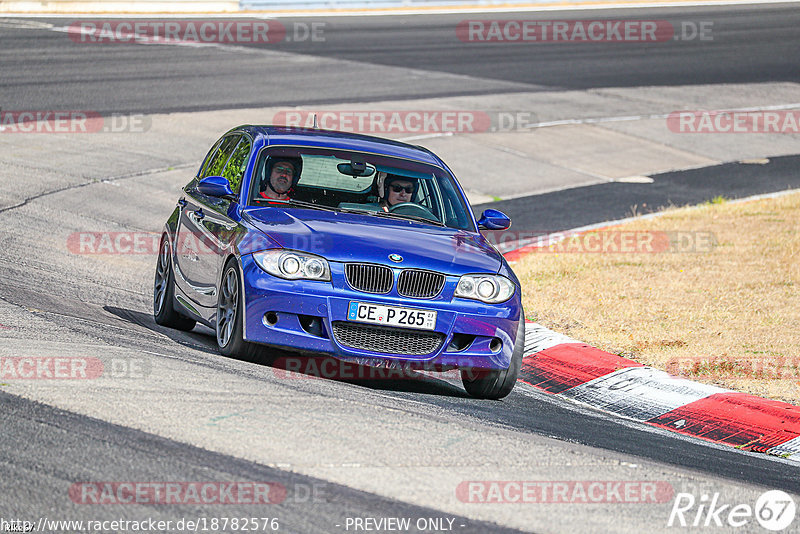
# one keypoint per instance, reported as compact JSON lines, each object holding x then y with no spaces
{"x":230,"y":332}
{"x":496,"y":383}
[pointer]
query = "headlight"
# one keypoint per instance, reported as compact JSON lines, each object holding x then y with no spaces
{"x":489,"y":288}
{"x":293,"y":265}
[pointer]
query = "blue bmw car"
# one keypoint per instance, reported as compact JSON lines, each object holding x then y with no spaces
{"x":341,"y":244}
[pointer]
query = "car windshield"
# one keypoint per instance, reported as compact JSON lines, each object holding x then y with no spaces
{"x":338,"y":180}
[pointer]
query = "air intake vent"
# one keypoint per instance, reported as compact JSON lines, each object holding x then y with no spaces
{"x":369,"y":278}
{"x":420,"y":284}
{"x":386,"y":339}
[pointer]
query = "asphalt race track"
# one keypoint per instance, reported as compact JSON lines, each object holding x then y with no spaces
{"x":365,"y":59}
{"x":174,"y":410}
{"x":540,"y":214}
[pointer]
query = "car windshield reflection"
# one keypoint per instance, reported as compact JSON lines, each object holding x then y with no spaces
{"x":353,"y":182}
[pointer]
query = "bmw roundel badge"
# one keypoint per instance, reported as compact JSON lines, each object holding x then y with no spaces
{"x":397,"y":258}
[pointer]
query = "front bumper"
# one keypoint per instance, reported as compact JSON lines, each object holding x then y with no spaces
{"x":300,"y":315}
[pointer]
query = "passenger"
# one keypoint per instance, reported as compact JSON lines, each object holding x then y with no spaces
{"x":394,"y":189}
{"x":283,"y":176}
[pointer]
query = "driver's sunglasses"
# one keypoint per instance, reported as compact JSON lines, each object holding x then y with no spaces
{"x":407,"y":188}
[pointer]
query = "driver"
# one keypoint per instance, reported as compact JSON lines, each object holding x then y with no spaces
{"x":283,"y":176}
{"x":394,"y":189}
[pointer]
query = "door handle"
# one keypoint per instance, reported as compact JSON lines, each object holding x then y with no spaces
{"x":200,"y":213}
{"x":182,"y":202}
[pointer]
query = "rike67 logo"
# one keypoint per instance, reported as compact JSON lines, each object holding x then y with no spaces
{"x":774,"y":510}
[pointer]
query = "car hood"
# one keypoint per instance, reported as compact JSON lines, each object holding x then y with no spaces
{"x":352,"y":237}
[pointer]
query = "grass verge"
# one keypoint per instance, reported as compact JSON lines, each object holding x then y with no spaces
{"x":709,"y":293}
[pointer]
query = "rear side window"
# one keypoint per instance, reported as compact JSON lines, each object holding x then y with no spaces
{"x":218,"y":160}
{"x":237,"y":163}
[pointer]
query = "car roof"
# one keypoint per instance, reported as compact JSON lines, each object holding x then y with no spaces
{"x":271,"y":135}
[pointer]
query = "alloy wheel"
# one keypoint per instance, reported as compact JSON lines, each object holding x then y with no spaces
{"x":228,"y":304}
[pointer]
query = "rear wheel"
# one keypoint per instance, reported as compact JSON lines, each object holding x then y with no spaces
{"x":230,"y":310}
{"x":164,"y":291}
{"x":496,"y":383}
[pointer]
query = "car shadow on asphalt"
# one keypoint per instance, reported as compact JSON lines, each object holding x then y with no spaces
{"x":288,"y":365}
{"x":294,"y":366}
{"x":197,"y":339}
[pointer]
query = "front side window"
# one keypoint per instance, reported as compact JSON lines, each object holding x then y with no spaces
{"x":208,"y":158}
{"x":237,"y":164}
{"x":218,"y":160}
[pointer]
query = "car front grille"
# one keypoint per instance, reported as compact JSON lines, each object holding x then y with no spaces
{"x":386,"y":339}
{"x":369,"y":278}
{"x":420,"y":284}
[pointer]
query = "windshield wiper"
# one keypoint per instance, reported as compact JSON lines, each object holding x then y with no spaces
{"x":300,"y":204}
{"x":409,"y":217}
{"x":356,"y":210}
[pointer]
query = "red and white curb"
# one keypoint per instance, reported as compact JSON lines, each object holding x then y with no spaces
{"x":559,"y":365}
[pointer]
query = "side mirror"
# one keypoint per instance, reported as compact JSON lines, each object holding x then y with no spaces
{"x":494,"y":220}
{"x":216,"y":186}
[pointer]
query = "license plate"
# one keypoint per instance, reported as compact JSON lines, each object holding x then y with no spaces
{"x":364,"y":312}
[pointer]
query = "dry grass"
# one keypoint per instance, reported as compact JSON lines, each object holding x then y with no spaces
{"x":729,"y":316}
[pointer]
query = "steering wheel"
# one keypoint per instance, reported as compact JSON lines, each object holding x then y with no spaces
{"x":412,"y":208}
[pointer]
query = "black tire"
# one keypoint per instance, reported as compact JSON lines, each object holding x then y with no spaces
{"x":496,"y":383}
{"x":229,"y":327}
{"x":164,"y":292}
